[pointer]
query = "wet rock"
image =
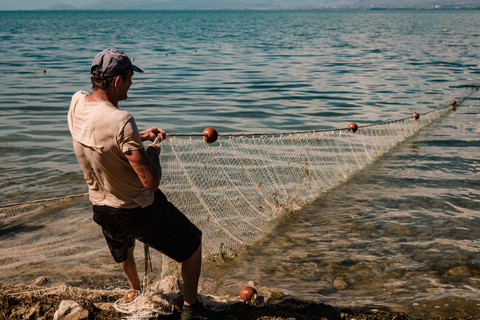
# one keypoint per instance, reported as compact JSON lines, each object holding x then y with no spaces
{"x":461,"y":271}
{"x":352,"y":279}
{"x":348,"y":262}
{"x":340,"y":284}
{"x":70,"y":310}
{"x":41,"y":281}
{"x":401,"y":230}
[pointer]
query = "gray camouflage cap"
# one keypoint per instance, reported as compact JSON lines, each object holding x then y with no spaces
{"x":113,"y":62}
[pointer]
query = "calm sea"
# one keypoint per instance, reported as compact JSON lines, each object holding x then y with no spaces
{"x":401,"y":234}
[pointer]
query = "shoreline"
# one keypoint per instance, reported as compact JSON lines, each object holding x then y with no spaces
{"x":40,"y":301}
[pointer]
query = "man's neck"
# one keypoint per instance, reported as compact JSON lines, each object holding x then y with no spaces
{"x":101,"y":95}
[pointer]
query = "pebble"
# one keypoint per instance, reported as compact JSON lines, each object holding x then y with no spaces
{"x":40,"y":281}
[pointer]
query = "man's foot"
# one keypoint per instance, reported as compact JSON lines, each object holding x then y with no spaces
{"x":197,"y":311}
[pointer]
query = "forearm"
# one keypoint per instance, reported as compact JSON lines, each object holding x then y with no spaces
{"x":147,"y":166}
{"x":153,"y":155}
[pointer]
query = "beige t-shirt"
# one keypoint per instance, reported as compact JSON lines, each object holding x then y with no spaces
{"x":101,"y":135}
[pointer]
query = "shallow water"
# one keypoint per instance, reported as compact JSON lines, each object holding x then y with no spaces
{"x":401,"y":234}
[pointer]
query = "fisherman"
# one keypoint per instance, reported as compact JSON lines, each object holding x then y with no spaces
{"x":123,"y":180}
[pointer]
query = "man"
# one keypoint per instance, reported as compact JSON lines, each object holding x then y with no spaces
{"x":123,"y":180}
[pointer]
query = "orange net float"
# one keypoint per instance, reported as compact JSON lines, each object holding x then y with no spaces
{"x":352,"y":127}
{"x":178,"y":301}
{"x":131,"y":295}
{"x":210,"y":135}
{"x":453,"y":103}
{"x":415,"y":115}
{"x":248,"y":293}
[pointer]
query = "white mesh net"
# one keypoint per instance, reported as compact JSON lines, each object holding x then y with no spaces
{"x":232,"y":189}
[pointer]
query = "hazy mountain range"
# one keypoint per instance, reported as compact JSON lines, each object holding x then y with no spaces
{"x":263,"y":4}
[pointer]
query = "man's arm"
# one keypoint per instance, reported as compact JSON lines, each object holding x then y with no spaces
{"x":147,"y":166}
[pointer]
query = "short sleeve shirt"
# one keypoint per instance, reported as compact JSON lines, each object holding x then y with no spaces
{"x":102,"y":134}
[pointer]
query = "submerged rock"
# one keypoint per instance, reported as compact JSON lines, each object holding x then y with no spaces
{"x":461,"y":271}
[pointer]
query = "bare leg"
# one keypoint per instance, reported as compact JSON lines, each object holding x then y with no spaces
{"x":191,"y":269}
{"x":129,"y":267}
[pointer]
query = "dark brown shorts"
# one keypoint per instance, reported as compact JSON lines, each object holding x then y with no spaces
{"x":161,"y":226}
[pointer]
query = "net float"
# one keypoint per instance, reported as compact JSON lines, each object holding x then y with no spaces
{"x":352,"y":127}
{"x":178,"y":301}
{"x":415,"y":115}
{"x":453,"y":103}
{"x":248,"y":293}
{"x":131,"y":295}
{"x":210,"y":135}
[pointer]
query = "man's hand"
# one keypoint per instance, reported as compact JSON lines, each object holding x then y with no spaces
{"x":151,"y":133}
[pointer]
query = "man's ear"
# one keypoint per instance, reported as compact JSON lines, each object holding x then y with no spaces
{"x":118,"y":78}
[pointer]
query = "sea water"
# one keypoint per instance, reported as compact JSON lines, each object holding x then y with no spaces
{"x":401,"y":234}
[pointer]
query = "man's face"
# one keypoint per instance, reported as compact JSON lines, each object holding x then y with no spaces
{"x":123,"y":84}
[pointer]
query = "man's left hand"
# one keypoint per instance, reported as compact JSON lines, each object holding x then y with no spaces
{"x":152,"y":133}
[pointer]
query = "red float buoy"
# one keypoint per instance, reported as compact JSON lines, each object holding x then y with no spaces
{"x":453,"y":103}
{"x":248,"y":293}
{"x":415,"y":116}
{"x":352,"y":127}
{"x":178,"y":301}
{"x":210,"y":135}
{"x":131,"y":295}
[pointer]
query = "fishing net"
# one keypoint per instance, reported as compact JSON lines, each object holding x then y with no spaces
{"x":234,"y":188}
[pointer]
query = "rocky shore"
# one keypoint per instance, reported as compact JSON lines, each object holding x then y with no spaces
{"x":40,"y":301}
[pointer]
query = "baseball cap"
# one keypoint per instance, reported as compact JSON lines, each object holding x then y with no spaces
{"x":113,"y":62}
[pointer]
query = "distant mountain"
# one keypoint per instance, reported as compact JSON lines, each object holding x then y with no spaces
{"x":177,"y":4}
{"x":256,"y":4}
{"x":62,"y":6}
{"x":419,"y":4}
